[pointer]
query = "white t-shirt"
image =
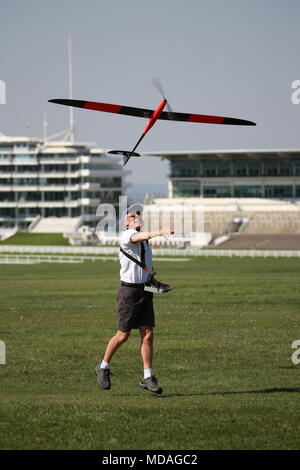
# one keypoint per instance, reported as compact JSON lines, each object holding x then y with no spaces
{"x":130,"y":271}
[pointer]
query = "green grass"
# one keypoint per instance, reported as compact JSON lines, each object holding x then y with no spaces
{"x":25,"y":238}
{"x":222,"y":354}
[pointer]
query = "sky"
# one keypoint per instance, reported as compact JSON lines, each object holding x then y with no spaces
{"x":234,"y":58}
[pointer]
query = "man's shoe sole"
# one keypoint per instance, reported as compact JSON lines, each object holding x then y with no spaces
{"x":158,"y":392}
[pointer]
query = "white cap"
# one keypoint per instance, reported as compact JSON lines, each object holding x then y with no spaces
{"x":133,"y":209}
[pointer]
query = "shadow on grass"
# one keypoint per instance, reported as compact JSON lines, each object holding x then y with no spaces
{"x":264,"y":391}
{"x":245,"y":392}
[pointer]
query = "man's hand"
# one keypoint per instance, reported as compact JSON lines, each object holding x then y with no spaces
{"x":166,"y":233}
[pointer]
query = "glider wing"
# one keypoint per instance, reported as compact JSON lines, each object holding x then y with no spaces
{"x":106,"y":107}
{"x":205,"y":118}
{"x":148,"y":113}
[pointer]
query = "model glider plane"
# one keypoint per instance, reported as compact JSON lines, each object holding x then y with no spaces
{"x":152,"y":115}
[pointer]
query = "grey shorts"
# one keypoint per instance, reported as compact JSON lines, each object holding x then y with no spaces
{"x":135,"y":308}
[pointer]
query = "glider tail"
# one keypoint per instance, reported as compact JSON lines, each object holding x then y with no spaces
{"x":132,"y":153}
{"x":125,"y":154}
{"x":125,"y":159}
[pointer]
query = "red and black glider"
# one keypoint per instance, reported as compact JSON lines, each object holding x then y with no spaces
{"x":152,"y":115}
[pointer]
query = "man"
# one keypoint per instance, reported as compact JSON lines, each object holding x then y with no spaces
{"x":135,"y":305}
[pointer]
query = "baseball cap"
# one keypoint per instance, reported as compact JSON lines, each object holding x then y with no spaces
{"x":130,"y":211}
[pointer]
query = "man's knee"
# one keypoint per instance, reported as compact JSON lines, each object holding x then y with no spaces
{"x":122,"y":336}
{"x":146,"y":334}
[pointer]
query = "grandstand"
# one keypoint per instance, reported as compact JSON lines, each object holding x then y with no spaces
{"x":269,"y":174}
{"x":242,"y":215}
{"x":276,"y":223}
{"x":6,"y":233}
{"x":228,"y":222}
{"x":261,"y":241}
{"x":55,"y":225}
{"x":245,"y":192}
{"x":248,"y":198}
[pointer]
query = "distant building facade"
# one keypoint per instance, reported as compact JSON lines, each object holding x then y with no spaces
{"x":55,"y":179}
{"x":271,"y":174}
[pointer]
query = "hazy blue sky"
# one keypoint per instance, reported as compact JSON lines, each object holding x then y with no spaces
{"x":230,"y":57}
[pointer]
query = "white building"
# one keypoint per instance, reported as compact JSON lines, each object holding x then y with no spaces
{"x":55,"y":179}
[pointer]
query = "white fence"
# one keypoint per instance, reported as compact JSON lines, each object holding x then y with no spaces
{"x":40,"y":258}
{"x":170,"y":252}
{"x":35,"y":259}
{"x":252,"y":253}
{"x":66,"y":250}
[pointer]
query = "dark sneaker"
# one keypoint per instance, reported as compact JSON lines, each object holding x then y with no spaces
{"x":155,"y":286}
{"x":103,"y":376}
{"x":150,"y":383}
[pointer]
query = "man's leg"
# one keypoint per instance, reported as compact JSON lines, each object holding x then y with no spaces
{"x":103,"y":370}
{"x":113,"y":345}
{"x":146,"y":334}
{"x":149,"y":382}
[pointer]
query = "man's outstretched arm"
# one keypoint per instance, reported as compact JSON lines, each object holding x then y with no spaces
{"x":141,"y":236}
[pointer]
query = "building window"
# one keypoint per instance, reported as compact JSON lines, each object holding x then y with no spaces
{"x":56,"y":212}
{"x":28,"y":212}
{"x":254,"y":171}
{"x":54,"y":196}
{"x":279,"y":191}
{"x":25,"y":168}
{"x":7,"y":212}
{"x":186,"y":188}
{"x":25,"y":181}
{"x":7,"y":196}
{"x":224,"y":169}
{"x":286,"y":169}
{"x":186,"y":193}
{"x":271,"y":170}
{"x":6,"y":168}
{"x":28,"y":196}
{"x":185,"y":170}
{"x":239,"y":169}
{"x":75,"y":211}
{"x":216,"y":191}
{"x":57,"y":168}
{"x":247,"y":191}
{"x":210,"y":169}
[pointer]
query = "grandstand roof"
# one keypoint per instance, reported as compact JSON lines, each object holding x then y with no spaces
{"x":4,"y":139}
{"x":224,"y":154}
{"x":230,"y":204}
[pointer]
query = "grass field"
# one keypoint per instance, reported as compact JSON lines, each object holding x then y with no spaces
{"x":26,"y":238}
{"x":223,"y":356}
